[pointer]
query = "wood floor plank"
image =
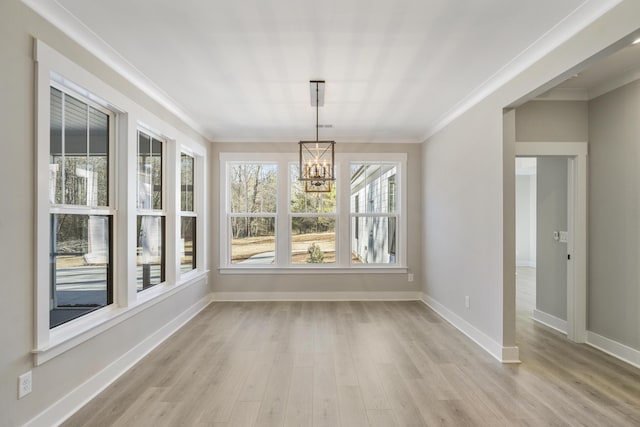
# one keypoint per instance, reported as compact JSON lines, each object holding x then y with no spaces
{"x":325,"y":392}
{"x":244,"y":414}
{"x":274,"y":401}
{"x":351,"y":406}
{"x":381,"y":418}
{"x":299,"y":410}
{"x":402,"y":403}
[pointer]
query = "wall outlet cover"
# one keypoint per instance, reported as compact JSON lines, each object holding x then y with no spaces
{"x":24,"y":384}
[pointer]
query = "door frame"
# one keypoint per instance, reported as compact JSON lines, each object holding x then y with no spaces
{"x":576,"y":152}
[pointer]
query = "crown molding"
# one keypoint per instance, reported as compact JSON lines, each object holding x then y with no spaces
{"x":66,"y":22}
{"x":583,"y":16}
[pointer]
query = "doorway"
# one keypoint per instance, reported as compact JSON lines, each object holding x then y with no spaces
{"x":542,"y":240}
{"x":560,"y":246}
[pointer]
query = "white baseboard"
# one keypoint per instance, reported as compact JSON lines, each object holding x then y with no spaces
{"x":317,"y":296}
{"x":72,"y":402}
{"x":503,"y":354}
{"x":614,"y":348}
{"x":550,"y":321}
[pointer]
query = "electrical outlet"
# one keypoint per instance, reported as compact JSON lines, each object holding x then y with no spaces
{"x":467,"y":302}
{"x":24,"y":384}
{"x":410,"y":277}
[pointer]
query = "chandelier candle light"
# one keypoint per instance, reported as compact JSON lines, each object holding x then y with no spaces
{"x":317,"y":157}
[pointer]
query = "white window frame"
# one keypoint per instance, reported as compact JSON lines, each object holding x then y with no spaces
{"x":343,"y":222}
{"x":363,"y":214}
{"x":128,"y":117}
{"x":162,"y":212}
{"x":76,"y":209}
{"x":335,"y":215}
{"x":226,"y":214}
{"x":193,"y":213}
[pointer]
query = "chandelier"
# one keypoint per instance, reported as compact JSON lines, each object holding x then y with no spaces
{"x":317,"y":166}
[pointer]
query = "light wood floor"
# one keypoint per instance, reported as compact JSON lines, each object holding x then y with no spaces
{"x":362,"y":364}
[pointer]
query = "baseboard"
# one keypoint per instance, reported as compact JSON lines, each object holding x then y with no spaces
{"x":550,"y":321}
{"x":502,"y":354}
{"x":614,"y":348}
{"x":317,"y":296}
{"x":72,"y":402}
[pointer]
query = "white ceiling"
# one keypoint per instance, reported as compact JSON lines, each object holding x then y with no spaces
{"x":395,"y":69}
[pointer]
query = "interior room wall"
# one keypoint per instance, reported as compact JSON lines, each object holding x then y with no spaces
{"x":59,"y":376}
{"x":614,"y":219}
{"x":467,"y":188}
{"x":526,"y":220}
{"x":551,"y":271}
{"x":304,"y":282}
{"x":552,"y":121}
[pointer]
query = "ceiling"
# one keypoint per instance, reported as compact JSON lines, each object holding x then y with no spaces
{"x":394,"y":69}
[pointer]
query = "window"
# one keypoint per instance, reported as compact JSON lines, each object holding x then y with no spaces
{"x":150,"y":248}
{"x":187,"y":215}
{"x":376,"y":221}
{"x":313,"y":222}
{"x":252,"y":209}
{"x":90,"y":237}
{"x":270,"y":222}
{"x":80,"y":234}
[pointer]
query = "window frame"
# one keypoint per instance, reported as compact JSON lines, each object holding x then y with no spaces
{"x":225,"y":226}
{"x":162,"y":212}
{"x":335,"y":215}
{"x":343,"y":263}
{"x":356,"y":214}
{"x":192,"y":213}
{"x":109,"y":210}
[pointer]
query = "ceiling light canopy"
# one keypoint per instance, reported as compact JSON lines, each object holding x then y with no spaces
{"x":317,"y":165}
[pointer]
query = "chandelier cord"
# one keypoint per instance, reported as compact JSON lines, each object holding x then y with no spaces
{"x":317,"y":109}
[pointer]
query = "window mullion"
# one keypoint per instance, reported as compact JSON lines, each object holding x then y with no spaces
{"x":283,"y":225}
{"x":344,"y":207}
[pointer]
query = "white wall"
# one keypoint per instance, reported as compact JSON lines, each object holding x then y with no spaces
{"x":614,"y":216}
{"x":526,"y":220}
{"x":469,"y":230}
{"x":551,"y":272}
{"x":242,"y":285}
{"x":61,"y":375}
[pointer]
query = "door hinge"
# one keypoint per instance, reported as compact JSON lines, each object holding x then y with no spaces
{"x":569,"y":257}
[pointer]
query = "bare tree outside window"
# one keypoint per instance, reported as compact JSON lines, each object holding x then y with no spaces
{"x":252,"y":202}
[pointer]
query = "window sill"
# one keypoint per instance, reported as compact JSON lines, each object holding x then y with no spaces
{"x":70,"y":335}
{"x":382,"y":269}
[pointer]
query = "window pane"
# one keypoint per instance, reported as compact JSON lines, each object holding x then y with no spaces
{"x":98,"y":163}
{"x":55,"y":148}
{"x":187,"y":243}
{"x":150,"y":251}
{"x":253,"y":240}
{"x":252,"y":187}
{"x":371,"y":183}
{"x":302,"y":201}
{"x":186,"y":183}
{"x":75,"y":151}
{"x":373,"y":240}
{"x":156,"y":171}
{"x":149,"y":172}
{"x":81,"y":279}
{"x":313,"y":240}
